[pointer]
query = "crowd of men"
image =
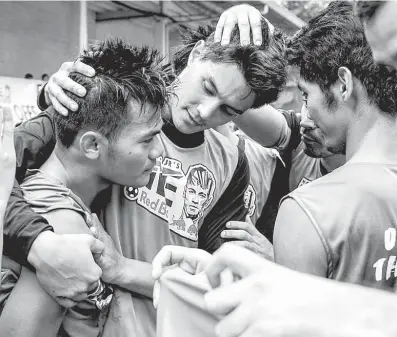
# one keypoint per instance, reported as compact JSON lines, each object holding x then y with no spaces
{"x":137,"y":209}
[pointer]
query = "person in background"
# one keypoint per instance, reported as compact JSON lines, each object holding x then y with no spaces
{"x":7,"y":165}
{"x":378,"y":18}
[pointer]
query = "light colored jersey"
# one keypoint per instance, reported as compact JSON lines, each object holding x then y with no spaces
{"x":304,"y":169}
{"x":45,"y":194}
{"x":353,"y":210}
{"x":191,"y":195}
{"x":262,"y":163}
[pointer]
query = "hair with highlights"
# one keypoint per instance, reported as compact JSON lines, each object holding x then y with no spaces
{"x":333,"y":39}
{"x":263,"y":67}
{"x":123,"y":73}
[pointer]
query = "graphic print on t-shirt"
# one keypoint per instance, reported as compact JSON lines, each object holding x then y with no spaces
{"x":304,"y":181}
{"x":250,"y":200}
{"x":168,"y":186}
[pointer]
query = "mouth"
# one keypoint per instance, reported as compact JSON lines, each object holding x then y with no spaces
{"x":306,"y":138}
{"x":194,"y":120}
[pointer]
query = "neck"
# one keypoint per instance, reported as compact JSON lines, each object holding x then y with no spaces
{"x":372,"y":139}
{"x":75,"y":174}
{"x":332,"y":162}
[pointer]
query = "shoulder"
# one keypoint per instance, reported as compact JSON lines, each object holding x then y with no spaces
{"x":45,"y":196}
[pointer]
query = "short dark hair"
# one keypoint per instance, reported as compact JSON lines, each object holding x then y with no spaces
{"x":264,"y":67}
{"x":123,"y":72}
{"x":365,"y":10}
{"x":333,"y":39}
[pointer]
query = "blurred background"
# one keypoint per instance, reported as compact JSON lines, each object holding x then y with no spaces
{"x":38,"y":36}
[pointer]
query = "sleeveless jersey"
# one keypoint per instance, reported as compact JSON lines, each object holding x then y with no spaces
{"x":353,"y":210}
{"x":191,"y":194}
{"x":262,"y":163}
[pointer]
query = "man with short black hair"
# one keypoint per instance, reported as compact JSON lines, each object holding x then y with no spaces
{"x":111,"y":139}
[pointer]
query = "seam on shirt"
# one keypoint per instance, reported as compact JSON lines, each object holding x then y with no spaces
{"x":324,"y":242}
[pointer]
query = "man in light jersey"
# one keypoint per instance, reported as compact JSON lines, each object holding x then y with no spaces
{"x":139,"y":220}
{"x":344,"y":223}
{"x":111,"y":139}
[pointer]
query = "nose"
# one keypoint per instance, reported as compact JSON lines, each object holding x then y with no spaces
{"x":157,"y":149}
{"x":208,"y":108}
{"x":307,"y":123}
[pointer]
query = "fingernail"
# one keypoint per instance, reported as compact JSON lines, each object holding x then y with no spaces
{"x":223,"y":234}
{"x":92,"y":72}
{"x":224,"y":42}
{"x":244,"y":43}
{"x":258,"y":42}
{"x":217,"y":40}
{"x":81,"y":92}
{"x":228,"y":225}
{"x":73,"y":106}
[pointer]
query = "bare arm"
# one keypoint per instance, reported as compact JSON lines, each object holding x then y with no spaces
{"x":30,"y":310}
{"x":265,"y":125}
{"x":297,"y":245}
{"x":132,"y":275}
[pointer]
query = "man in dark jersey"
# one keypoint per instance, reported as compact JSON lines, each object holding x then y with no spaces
{"x":210,"y":91}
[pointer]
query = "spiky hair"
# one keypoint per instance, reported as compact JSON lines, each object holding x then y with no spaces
{"x":123,"y":72}
{"x":264,"y":67}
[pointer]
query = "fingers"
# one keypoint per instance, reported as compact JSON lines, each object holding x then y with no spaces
{"x":219,"y":28}
{"x":80,"y":297}
{"x":57,"y":86}
{"x":96,"y":227}
{"x":95,"y":245}
{"x":167,"y":256}
{"x":254,"y":18}
{"x":236,"y":234}
{"x":66,"y":302}
{"x":244,"y":226}
{"x":222,"y":300}
{"x":156,"y":294}
{"x":230,"y":23}
{"x":188,"y":259}
{"x":82,"y":68}
{"x":244,"y":28}
{"x":242,"y":263}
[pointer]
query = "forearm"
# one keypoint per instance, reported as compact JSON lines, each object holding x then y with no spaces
{"x":264,"y":125}
{"x":136,"y":276}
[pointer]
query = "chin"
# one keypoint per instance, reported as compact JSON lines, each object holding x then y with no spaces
{"x":184,"y":127}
